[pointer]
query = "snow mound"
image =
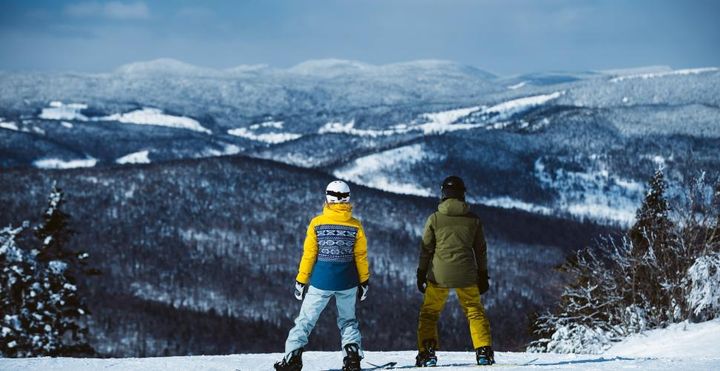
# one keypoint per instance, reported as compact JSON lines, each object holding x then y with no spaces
{"x":680,"y":340}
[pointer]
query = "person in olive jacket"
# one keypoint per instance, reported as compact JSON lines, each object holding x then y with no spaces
{"x":453,"y":255}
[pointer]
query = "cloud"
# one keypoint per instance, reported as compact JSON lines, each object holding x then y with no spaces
{"x":111,"y":9}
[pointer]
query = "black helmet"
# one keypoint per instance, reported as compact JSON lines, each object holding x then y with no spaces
{"x":453,"y":187}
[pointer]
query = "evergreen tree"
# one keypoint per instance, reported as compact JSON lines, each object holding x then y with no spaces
{"x":63,"y":266}
{"x":655,"y":277}
{"x":41,"y":312}
{"x":16,"y":288}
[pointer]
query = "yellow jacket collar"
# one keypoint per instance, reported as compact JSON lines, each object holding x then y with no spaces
{"x":340,"y":211}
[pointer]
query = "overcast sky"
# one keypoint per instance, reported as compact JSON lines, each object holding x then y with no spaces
{"x":504,"y":37}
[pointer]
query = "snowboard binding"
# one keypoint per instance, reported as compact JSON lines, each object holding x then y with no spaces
{"x":351,"y":362}
{"x":427,"y":357}
{"x":291,"y":362}
{"x":484,"y":356}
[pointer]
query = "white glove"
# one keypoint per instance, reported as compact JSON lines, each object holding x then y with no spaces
{"x":300,"y":290}
{"x":363,"y":290}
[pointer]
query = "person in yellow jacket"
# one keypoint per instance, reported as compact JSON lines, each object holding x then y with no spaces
{"x":453,"y":254}
{"x":334,"y":264}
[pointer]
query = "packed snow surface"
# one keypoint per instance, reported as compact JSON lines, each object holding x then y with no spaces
{"x":680,"y":340}
{"x":683,"y":346}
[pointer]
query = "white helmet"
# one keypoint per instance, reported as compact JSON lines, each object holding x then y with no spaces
{"x":337,"y":191}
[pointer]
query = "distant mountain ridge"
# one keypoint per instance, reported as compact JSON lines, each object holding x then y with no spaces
{"x":588,"y":130}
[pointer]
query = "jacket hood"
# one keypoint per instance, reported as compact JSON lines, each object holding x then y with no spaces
{"x":453,"y":207}
{"x":341,"y":212}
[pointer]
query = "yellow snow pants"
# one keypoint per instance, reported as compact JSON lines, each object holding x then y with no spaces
{"x":433,"y":304}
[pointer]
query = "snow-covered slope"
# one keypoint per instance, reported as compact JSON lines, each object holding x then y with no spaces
{"x":682,"y":346}
{"x":681,"y":340}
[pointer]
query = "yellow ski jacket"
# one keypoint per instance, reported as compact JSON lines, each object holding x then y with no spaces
{"x":335,"y":250}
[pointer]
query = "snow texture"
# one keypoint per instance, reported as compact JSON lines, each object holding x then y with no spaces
{"x":60,"y":111}
{"x":685,"y":346}
{"x":594,"y":192}
{"x":681,"y":340}
{"x":140,"y":157}
{"x":8,"y":125}
{"x":512,"y":203}
{"x":56,"y":163}
{"x":376,"y":170}
{"x":271,"y":137}
{"x":689,"y":71}
{"x":146,"y":116}
{"x":154,"y":116}
{"x":518,"y":85}
{"x":704,"y":277}
{"x":510,"y":107}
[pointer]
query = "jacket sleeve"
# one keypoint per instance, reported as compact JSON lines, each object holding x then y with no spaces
{"x":361,"y":256}
{"x":427,"y":246}
{"x":480,"y":248}
{"x":310,"y":252}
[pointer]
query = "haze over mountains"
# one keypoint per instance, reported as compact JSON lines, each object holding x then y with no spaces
{"x":552,"y":161}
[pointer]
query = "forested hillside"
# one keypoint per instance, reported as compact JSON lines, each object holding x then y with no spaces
{"x":199,"y":256}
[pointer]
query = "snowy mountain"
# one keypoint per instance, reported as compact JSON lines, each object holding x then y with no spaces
{"x":175,"y":171}
{"x":571,"y":143}
{"x":682,"y":346}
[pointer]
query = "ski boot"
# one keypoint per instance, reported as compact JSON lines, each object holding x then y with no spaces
{"x":484,"y":356}
{"x":351,"y":362}
{"x":291,"y":362}
{"x":427,"y":357}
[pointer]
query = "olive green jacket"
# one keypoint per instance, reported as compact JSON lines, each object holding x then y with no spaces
{"x":453,"y":250}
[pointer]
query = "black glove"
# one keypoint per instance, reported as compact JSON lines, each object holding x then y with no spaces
{"x":300,"y":290}
{"x":421,"y":280}
{"x":483,"y":282}
{"x":362,"y":291}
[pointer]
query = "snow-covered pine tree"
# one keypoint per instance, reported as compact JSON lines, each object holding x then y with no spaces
{"x":32,"y":300}
{"x":654,"y":272}
{"x":17,"y":283}
{"x":68,"y":312}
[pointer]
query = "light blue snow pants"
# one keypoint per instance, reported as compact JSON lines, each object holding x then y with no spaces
{"x":313,"y":304}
